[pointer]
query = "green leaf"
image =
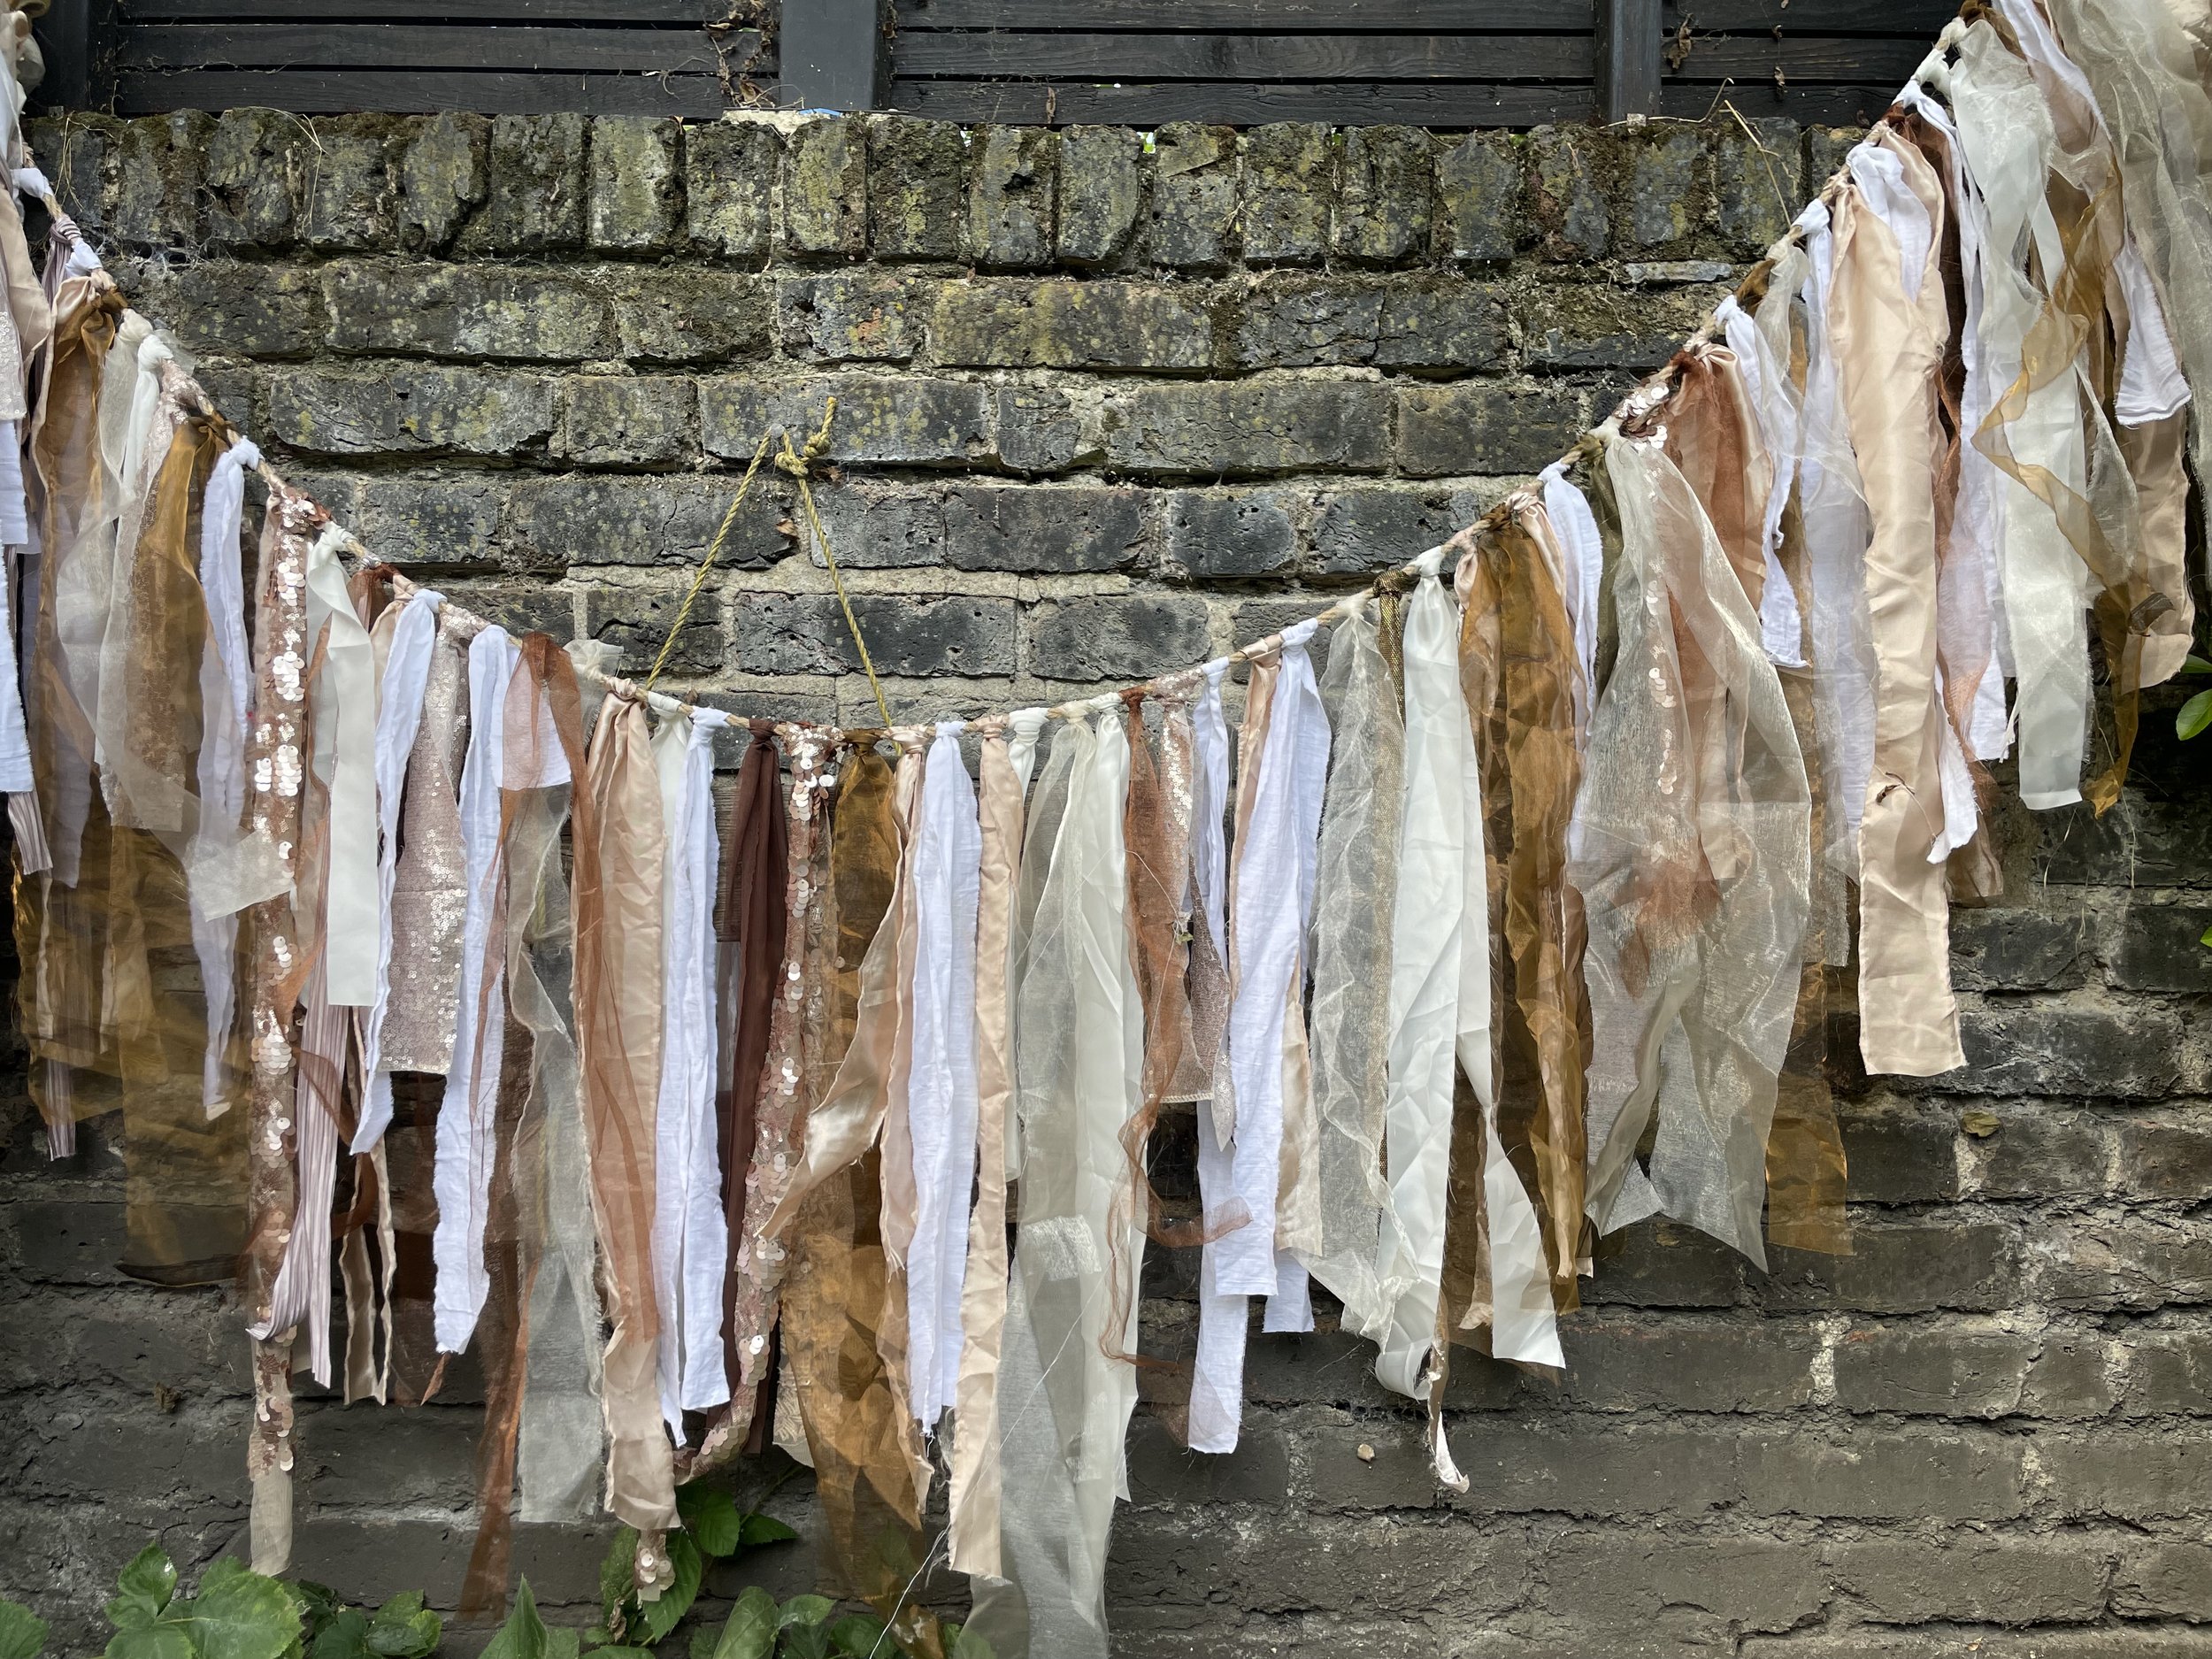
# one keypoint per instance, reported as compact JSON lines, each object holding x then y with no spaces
{"x":22,"y":1632}
{"x":523,"y":1636}
{"x":616,"y":1576}
{"x":343,"y":1637}
{"x":750,"y":1632}
{"x":563,"y":1644}
{"x":2206,"y":937}
{"x":858,"y":1636}
{"x":319,"y":1604}
{"x":712,"y":1518}
{"x":239,"y":1614}
{"x":151,"y":1641}
{"x":403,"y":1628}
{"x":764,"y":1529}
{"x":659,"y":1616}
{"x":805,"y":1641}
{"x":806,"y":1609}
{"x":2195,"y":665}
{"x":142,"y":1589}
{"x":2195,"y":715}
{"x":962,"y":1645}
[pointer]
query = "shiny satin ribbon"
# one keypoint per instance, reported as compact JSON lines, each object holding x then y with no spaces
{"x":690,"y":1233}
{"x":942,"y":1100}
{"x":464,"y":1157}
{"x":1781,"y":629}
{"x":351,"y":943}
{"x":405,"y":682}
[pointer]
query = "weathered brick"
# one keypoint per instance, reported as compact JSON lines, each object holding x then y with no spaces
{"x":1666,"y":187}
{"x":359,"y":1556}
{"x":2161,"y":948}
{"x":1593,"y":326}
{"x":825,"y":186}
{"x":625,"y":420}
{"x":2169,"y":1374}
{"x":636,"y":195}
{"x":1010,"y":198}
{"x":535,"y":200}
{"x":916,"y":191}
{"x":1900,"y":1152}
{"x":1688,"y":1363}
{"x":1249,"y":426}
{"x":350,"y":203}
{"x":1289,"y":177}
{"x":2071,"y":1378}
{"x":1040,"y":529}
{"x":1479,"y":191}
{"x":1440,"y":326}
{"x":2165,"y":1158}
{"x":519,"y":607}
{"x":586,"y":520}
{"x":443,"y":171}
{"x":453,"y":521}
{"x":1401,"y":1564}
{"x":386,"y":1459}
{"x":1485,"y":427}
{"x":1376,"y":527}
{"x":1190,"y":217}
{"x":1256,"y":620}
{"x":907,"y":421}
{"x":1161,"y":1471}
{"x":2066,"y":1048}
{"x":1755,"y":186}
{"x":1902,"y":1267}
{"x":1116,"y":636}
{"x":878,"y":526}
{"x":1101,"y":193}
{"x":411,"y":407}
{"x":2141,"y":1262}
{"x":1943,"y":1369}
{"x":466,"y":312}
{"x":2164,"y":1579}
{"x":1884,"y":1474}
{"x":1037,"y":429}
{"x":1825,"y":147}
{"x":675,"y":315}
{"x":637,"y":619}
{"x":1655,"y":1264}
{"x":1621,"y":1581}
{"x":1385,"y":187}
{"x":1241,"y":533}
{"x":2035,"y":1150}
{"x":258,"y":310}
{"x":253,"y":173}
{"x":1515,"y":1466}
{"x":176,"y":1459}
{"x":74,"y":152}
{"x":1568,"y":195}
{"x":1994,"y":1580}
{"x":1301,"y":323}
{"x":157,"y":167}
{"x":2140,"y":1475}
{"x":729,"y":184}
{"x":860,"y":317}
{"x":135,"y":1338}
{"x":2018,"y":948}
{"x":1070,"y":325}
{"x":805,"y":633}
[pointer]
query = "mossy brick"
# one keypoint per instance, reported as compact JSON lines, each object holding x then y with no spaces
{"x":635,"y":198}
{"x":1307,"y":322}
{"x":1872,"y":1473}
{"x":535,"y":187}
{"x":825,"y":186}
{"x":881,"y":419}
{"x":1994,"y":1580}
{"x":1568,"y":186}
{"x":1037,"y":429}
{"x":1190,"y":216}
{"x":850,"y":317}
{"x":626,"y":420}
{"x":2067,"y":1050}
{"x":1215,"y":533}
{"x":2161,"y":1577}
{"x":2020,"y":948}
{"x":916,"y":187}
{"x":1246,"y":428}
{"x":1481,"y":216}
{"x":411,"y":409}
{"x":466,"y":311}
{"x":1902,"y":1267}
{"x":251,"y":310}
{"x":1595,"y":326}
{"x":677,"y":314}
{"x":158,"y":164}
{"x":730,"y":187}
{"x":1385,"y":194}
{"x":2035,"y":1149}
{"x":1440,"y":328}
{"x":1289,"y":187}
{"x":1755,"y":183}
{"x":1010,"y":196}
{"x":1040,"y":530}
{"x":352,"y":202}
{"x":444,"y":169}
{"x":805,"y":633}
{"x":1485,"y":427}
{"x":1931,"y":1370}
{"x":74,"y":152}
{"x":637,"y":619}
{"x":253,"y":176}
{"x":1667,"y":185}
{"x":587,"y":519}
{"x":1115,"y":636}
{"x":1102,"y":192}
{"x":1824,"y":148}
{"x":2139,"y":1473}
{"x":444,"y":519}
{"x":1620,"y":1361}
{"x":2141,"y":1263}
{"x":1064,"y":324}
{"x":1376,"y":527}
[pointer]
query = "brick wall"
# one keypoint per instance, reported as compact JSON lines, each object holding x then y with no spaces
{"x":1106,"y":406}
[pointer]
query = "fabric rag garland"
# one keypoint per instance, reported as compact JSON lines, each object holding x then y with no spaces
{"x":1513,"y":924}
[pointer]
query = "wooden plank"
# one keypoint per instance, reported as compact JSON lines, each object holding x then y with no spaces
{"x":1193,"y":57}
{"x":1921,"y":19}
{"x":1753,"y":59}
{"x":834,"y":54}
{"x":339,"y":91}
{"x":611,"y":11}
{"x":1243,"y":103}
{"x":1627,"y":57}
{"x":1335,"y":16}
{"x":421,"y":46}
{"x":1808,"y":105}
{"x":66,"y":39}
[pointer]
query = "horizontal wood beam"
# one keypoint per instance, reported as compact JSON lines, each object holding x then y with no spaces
{"x":429,"y":11}
{"x":215,"y":46}
{"x":1257,"y":58}
{"x":340,"y":91}
{"x":1242,"y":103}
{"x":1331,"y":16}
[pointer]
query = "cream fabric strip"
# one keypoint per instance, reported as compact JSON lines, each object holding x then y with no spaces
{"x":1583,"y":553}
{"x":351,"y":940}
{"x":406,"y":683}
{"x":1781,"y":629}
{"x":1026,"y":725}
{"x":462,"y":1174}
{"x":942,"y":1103}
{"x":690,"y":1235}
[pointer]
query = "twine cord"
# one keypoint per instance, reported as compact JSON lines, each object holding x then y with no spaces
{"x":683,"y":613}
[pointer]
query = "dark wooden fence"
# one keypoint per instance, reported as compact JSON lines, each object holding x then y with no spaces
{"x":1432,"y":63}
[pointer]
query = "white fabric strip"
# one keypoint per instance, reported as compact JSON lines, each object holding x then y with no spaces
{"x":1781,"y":627}
{"x":690,"y":1234}
{"x":1209,"y":808}
{"x":1577,"y":528}
{"x":942,"y":1097}
{"x":2151,"y":383}
{"x":398,"y":720}
{"x":350,"y":947}
{"x":462,"y":1176}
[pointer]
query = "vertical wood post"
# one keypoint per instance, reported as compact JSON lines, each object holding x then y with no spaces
{"x":1627,"y":58}
{"x":833,"y":55}
{"x":71,"y":38}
